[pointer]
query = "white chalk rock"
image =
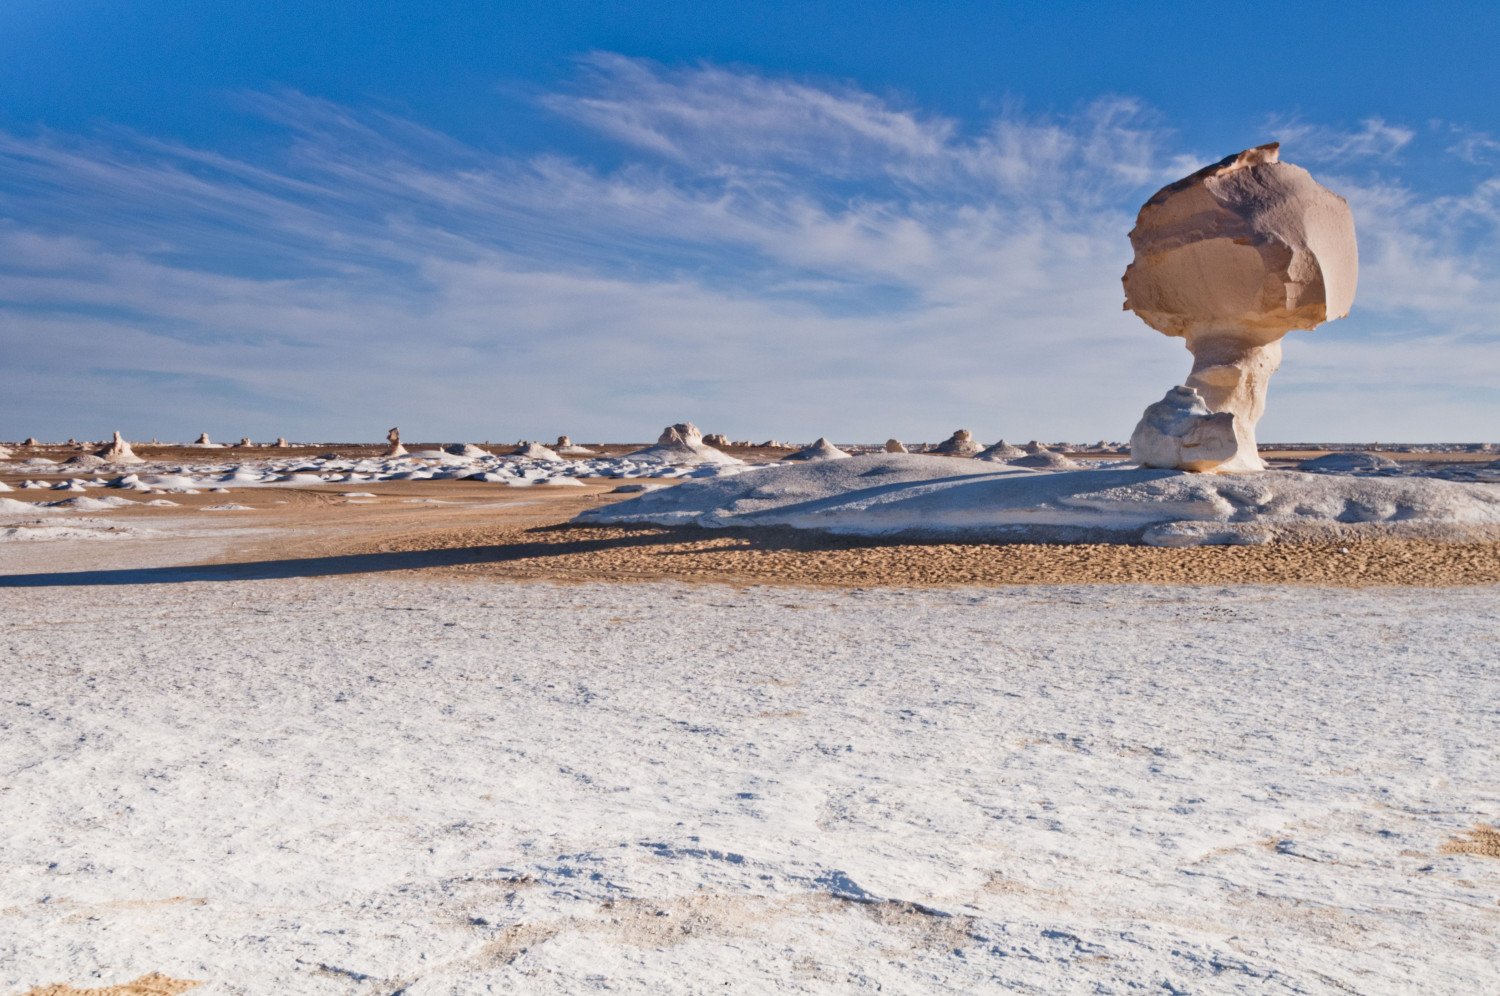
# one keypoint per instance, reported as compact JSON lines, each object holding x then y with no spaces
{"x":1231,"y":259}
{"x":682,"y":444}
{"x":1000,"y":452}
{"x":895,"y":446}
{"x":393,"y":436}
{"x":118,"y":451}
{"x":961,"y":443}
{"x":1180,"y":432}
{"x":820,"y":450}
{"x":534,"y":451}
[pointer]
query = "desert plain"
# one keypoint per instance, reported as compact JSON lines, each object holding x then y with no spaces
{"x":436,"y":736}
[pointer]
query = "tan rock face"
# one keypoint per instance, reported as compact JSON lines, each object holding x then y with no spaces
{"x":1231,"y":259}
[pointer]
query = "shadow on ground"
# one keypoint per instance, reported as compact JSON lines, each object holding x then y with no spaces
{"x":355,"y":563}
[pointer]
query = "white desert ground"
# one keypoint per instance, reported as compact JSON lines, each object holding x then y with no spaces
{"x":287,"y":723}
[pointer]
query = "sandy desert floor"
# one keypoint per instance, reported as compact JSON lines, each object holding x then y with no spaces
{"x":426,"y":738}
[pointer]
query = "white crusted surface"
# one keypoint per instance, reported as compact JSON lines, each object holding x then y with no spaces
{"x":360,"y":785}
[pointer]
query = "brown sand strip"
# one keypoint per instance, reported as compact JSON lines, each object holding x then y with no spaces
{"x":564,"y":552}
{"x":154,"y":984}
{"x":1482,"y":840}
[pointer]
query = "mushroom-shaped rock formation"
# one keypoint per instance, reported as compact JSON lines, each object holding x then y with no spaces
{"x":682,"y":444}
{"x":820,"y":450}
{"x":393,"y":436}
{"x":895,"y":446}
{"x":535,"y":451}
{"x":118,"y":451}
{"x":961,"y":443}
{"x":1231,"y":259}
{"x":1000,"y":452}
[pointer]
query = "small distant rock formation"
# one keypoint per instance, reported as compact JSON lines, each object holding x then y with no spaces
{"x":961,"y":443}
{"x":1349,"y":463}
{"x":1038,"y":456}
{"x":282,"y":444}
{"x":468,"y":450}
{"x":535,"y":451}
{"x":244,"y":443}
{"x":716,"y":439}
{"x":565,"y":445}
{"x":1000,"y":452}
{"x":563,"y":442}
{"x":820,"y":450}
{"x":682,"y":444}
{"x":776,"y":444}
{"x":894,"y":445}
{"x":203,"y":440}
{"x":393,"y":436}
{"x":1180,"y":432}
{"x":118,"y":451}
{"x":31,"y":441}
{"x":1231,"y":259}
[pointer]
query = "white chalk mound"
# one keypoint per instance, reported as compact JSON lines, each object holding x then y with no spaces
{"x":1230,"y":259}
{"x":1000,"y":452}
{"x":894,"y":445}
{"x":533,"y":450}
{"x":820,"y":450}
{"x":928,"y":497}
{"x":682,"y":445}
{"x":961,"y":443}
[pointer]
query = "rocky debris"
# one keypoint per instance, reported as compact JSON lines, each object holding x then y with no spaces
{"x":117,"y":451}
{"x":532,"y":450}
{"x":682,"y":444}
{"x":85,"y":461}
{"x":1350,"y":463}
{"x":820,"y":450}
{"x":776,"y":444}
{"x":1231,"y":259}
{"x":894,"y":445}
{"x":961,"y":443}
{"x":1180,"y":432}
{"x":1000,"y":452}
{"x":393,"y":437}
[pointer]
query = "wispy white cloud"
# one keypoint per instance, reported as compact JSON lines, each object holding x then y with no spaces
{"x":773,"y":257}
{"x":1374,"y":138}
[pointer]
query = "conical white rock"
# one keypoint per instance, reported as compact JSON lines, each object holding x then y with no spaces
{"x":1231,"y":259}
{"x":820,"y":450}
{"x":1000,"y":452}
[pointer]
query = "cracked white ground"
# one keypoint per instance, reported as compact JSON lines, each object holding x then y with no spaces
{"x":383,"y":784}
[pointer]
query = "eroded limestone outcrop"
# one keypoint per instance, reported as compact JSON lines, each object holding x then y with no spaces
{"x":1231,"y":259}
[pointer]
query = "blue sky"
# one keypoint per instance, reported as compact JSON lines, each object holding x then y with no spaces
{"x":496,"y":221}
